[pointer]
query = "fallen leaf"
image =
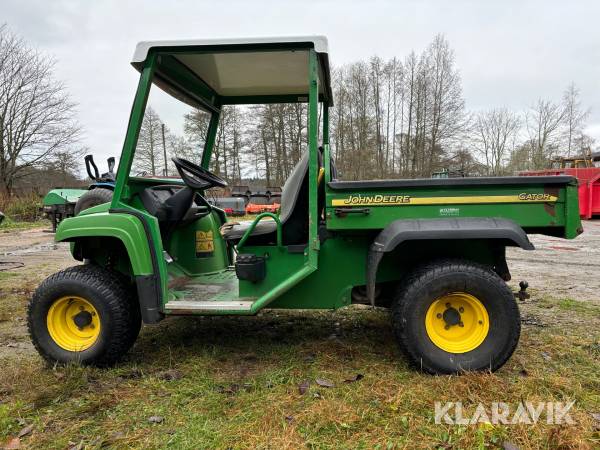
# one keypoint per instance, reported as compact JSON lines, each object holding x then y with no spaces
{"x":132,"y":375}
{"x":25,"y":431}
{"x":115,"y":436}
{"x":170,"y":375}
{"x":59,"y":375}
{"x":289,"y":419}
{"x":74,"y":446}
{"x":232,"y":389}
{"x":309,"y":358}
{"x":509,"y":446}
{"x":303,"y":387}
{"x":357,"y":377}
{"x":324,"y":383}
{"x":317,"y":395}
{"x":13,"y":444}
{"x":156,"y":419}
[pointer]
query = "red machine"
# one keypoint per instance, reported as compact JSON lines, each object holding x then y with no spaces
{"x":589,"y":186}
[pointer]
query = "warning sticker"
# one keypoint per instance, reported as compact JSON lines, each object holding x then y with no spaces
{"x":205,"y":244}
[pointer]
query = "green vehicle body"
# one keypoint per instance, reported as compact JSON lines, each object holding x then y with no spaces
{"x":370,"y":233}
{"x":62,"y":196}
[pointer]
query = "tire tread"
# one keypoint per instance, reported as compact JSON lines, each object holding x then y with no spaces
{"x":125,"y":320}
{"x":429,"y":272}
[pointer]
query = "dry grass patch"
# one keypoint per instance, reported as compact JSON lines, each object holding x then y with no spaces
{"x":233,"y":382}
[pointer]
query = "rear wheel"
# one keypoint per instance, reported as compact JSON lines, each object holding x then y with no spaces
{"x":83,"y":314}
{"x":452,"y":316}
{"x":93,"y":197}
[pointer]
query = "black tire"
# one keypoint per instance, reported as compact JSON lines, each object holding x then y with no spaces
{"x":93,"y":197}
{"x":117,"y":309}
{"x":437,"y":279}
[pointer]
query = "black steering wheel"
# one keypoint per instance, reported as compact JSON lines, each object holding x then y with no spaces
{"x":197,"y":177}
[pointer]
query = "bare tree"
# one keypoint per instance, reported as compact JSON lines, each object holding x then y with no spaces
{"x":66,"y":163}
{"x":148,"y":154}
{"x":574,"y":119}
{"x":543,"y":126}
{"x":495,"y":133}
{"x":36,"y":115}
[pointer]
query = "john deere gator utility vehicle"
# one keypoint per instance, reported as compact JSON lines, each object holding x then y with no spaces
{"x":432,"y":250}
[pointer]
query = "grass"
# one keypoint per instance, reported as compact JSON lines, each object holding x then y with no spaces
{"x":9,"y":225}
{"x":233,"y":382}
{"x":25,"y":208}
{"x":21,"y":213}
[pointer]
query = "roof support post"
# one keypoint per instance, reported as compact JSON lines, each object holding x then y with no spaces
{"x":313,"y":161}
{"x":133,"y":130}
{"x":211,"y":136}
{"x":326,"y":150}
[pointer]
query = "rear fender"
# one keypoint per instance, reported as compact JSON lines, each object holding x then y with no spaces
{"x":399,"y":231}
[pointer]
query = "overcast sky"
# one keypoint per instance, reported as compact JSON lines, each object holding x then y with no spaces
{"x":509,"y":53}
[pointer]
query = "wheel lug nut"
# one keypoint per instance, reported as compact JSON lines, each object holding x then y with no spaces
{"x":461,"y":309}
{"x":439,"y":315}
{"x":447,"y":327}
{"x":481,"y":322}
{"x":460,"y":324}
{"x":448,"y":305}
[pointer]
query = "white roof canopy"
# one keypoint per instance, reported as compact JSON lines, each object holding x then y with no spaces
{"x":248,"y":67}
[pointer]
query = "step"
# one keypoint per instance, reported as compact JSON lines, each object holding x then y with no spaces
{"x":182,"y":306}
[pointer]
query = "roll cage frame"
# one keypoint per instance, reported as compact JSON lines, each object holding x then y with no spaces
{"x":162,"y":69}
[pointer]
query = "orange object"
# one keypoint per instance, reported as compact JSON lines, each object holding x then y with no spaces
{"x":254,"y":208}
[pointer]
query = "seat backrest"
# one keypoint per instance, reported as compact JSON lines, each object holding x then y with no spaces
{"x":292,"y":187}
{"x":293,"y":212}
{"x":294,"y":203}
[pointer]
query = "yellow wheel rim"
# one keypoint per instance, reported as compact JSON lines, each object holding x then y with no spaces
{"x":73,"y":323}
{"x":457,"y":322}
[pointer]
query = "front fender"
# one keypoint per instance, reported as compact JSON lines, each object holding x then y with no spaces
{"x":134,"y":230}
{"x":127,"y":228}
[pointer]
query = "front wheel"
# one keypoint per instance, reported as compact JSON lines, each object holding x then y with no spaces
{"x":84,"y":314}
{"x":452,"y":316}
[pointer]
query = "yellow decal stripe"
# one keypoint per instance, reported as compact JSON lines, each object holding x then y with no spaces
{"x":403,"y":200}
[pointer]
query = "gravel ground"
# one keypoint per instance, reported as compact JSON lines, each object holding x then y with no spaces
{"x":560,"y":268}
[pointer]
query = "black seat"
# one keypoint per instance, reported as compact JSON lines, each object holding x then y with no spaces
{"x":293,"y":213}
{"x":172,"y":205}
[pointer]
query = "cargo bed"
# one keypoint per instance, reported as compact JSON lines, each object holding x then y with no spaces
{"x":545,"y":204}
